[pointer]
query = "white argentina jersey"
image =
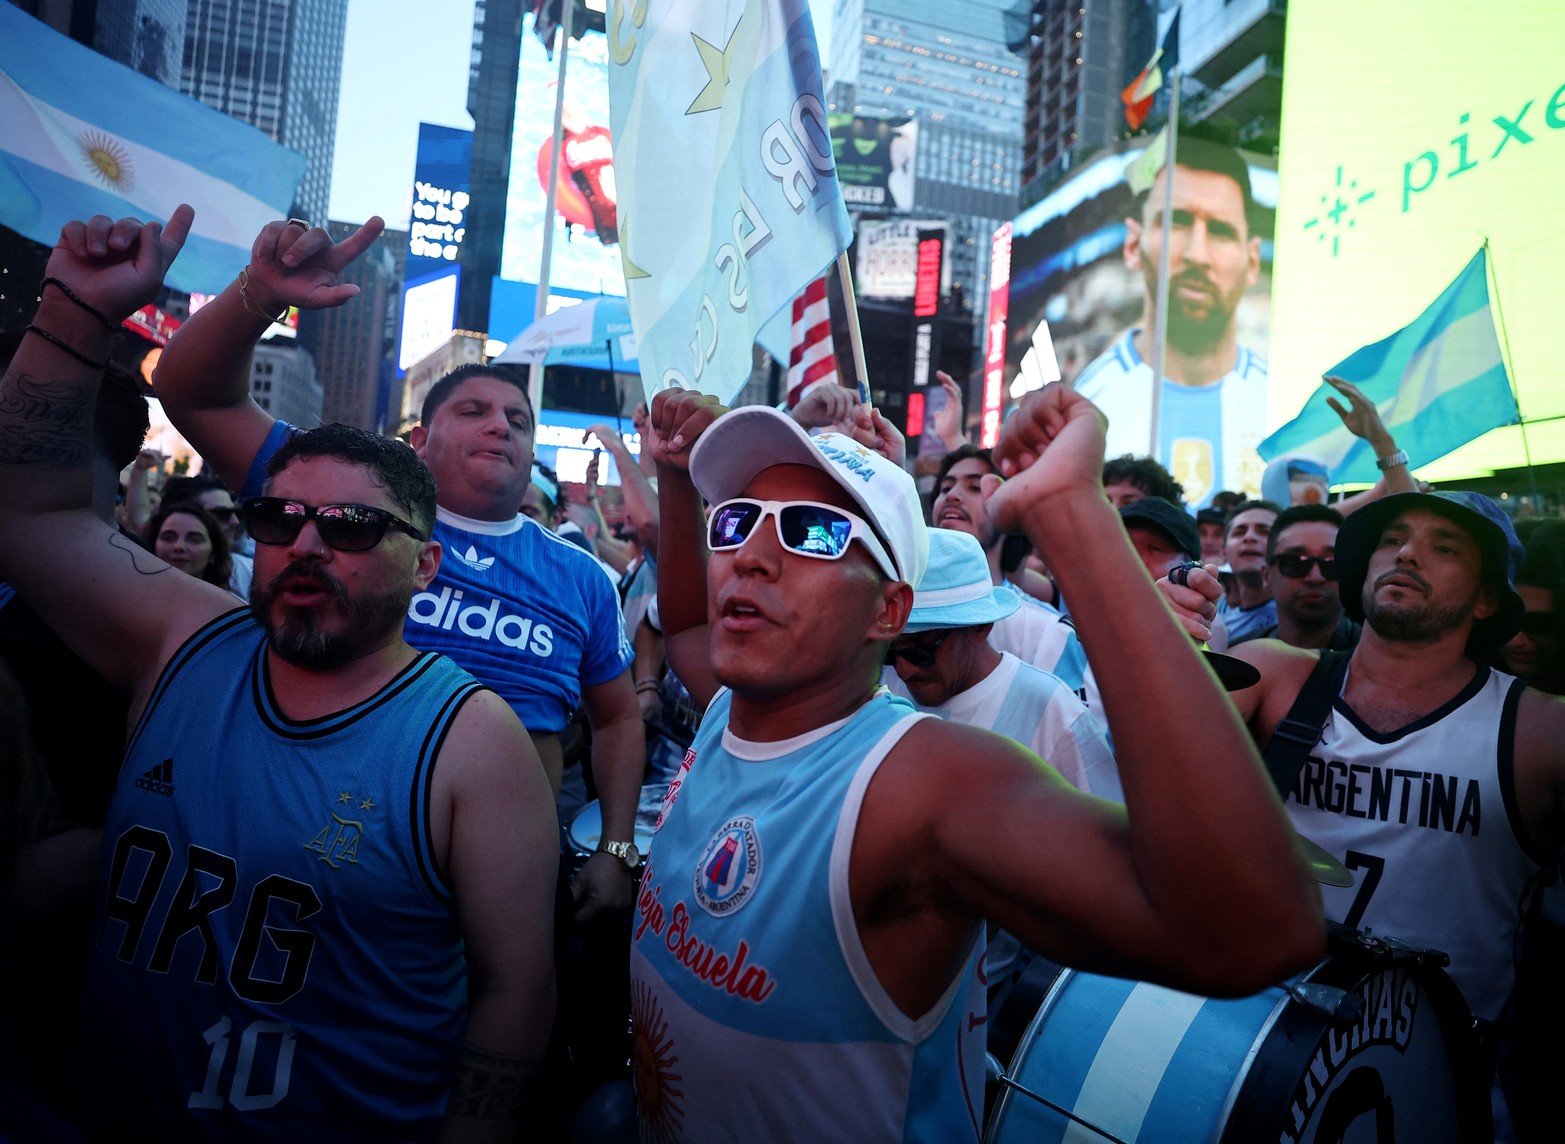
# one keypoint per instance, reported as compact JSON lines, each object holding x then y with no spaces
{"x":757,"y":1015}
{"x":1425,"y":817}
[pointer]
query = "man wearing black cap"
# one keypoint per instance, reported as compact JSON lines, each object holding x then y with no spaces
{"x":1163,"y":533}
{"x":1435,"y":779}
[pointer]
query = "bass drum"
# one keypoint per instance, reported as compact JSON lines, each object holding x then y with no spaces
{"x":1373,"y":1045}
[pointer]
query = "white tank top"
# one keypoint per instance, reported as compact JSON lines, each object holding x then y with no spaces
{"x":1426,"y":819}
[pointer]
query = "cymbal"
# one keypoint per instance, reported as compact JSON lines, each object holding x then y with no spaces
{"x":1327,"y":870}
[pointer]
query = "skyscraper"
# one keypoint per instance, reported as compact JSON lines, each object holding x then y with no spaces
{"x":277,"y":65}
{"x":351,"y":343}
{"x":946,"y":63}
{"x":491,"y":101}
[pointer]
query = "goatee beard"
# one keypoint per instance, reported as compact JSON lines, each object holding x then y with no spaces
{"x":300,"y":640}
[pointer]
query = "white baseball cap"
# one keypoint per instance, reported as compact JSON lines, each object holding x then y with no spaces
{"x":744,"y":441}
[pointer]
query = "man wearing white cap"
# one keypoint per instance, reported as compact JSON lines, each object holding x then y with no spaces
{"x":946,"y":665}
{"x":806,"y":954}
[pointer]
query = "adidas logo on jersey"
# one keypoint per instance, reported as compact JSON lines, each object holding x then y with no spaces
{"x":473,"y":560}
{"x":158,"y":779}
{"x":481,"y":621}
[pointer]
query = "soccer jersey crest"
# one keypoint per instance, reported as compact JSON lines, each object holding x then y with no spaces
{"x":729,"y":868}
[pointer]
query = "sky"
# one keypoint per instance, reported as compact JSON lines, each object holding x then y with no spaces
{"x":406,"y":61}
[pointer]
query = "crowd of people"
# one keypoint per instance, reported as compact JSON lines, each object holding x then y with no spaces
{"x":423,"y":784}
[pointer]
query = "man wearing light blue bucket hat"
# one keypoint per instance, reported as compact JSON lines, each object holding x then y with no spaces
{"x":946,"y":665}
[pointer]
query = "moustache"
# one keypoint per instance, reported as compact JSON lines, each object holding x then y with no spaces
{"x":1405,"y":573}
{"x":312,"y":574}
{"x":1193,"y":278}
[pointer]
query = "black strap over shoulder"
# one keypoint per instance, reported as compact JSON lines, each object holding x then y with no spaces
{"x":1299,"y":731}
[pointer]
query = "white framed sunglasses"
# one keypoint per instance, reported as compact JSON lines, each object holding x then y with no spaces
{"x":805,"y":528}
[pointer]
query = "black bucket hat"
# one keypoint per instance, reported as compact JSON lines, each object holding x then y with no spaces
{"x":1476,"y":515}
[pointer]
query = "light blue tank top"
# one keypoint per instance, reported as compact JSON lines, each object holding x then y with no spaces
{"x":757,"y":1015}
{"x":275,"y":952}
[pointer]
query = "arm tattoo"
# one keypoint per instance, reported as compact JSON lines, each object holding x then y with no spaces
{"x":140,"y":559}
{"x":493,"y":1086}
{"x":43,"y":423}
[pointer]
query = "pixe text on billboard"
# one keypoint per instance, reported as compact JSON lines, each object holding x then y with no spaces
{"x":1085,"y":259}
{"x":1406,"y":144}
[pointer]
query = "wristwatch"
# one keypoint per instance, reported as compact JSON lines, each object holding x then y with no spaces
{"x":626,"y":852}
{"x":1391,"y":462}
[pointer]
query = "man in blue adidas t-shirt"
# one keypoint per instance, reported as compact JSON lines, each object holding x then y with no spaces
{"x":527,"y":613}
{"x":327,"y":884}
{"x":1213,"y":389}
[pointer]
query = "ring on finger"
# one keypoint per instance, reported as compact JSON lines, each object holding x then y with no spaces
{"x":302,"y":224}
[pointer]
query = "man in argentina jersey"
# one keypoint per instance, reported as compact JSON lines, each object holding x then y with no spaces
{"x":528,"y":613}
{"x":322,"y":842}
{"x":1213,"y":390}
{"x":806,"y":960}
{"x":1437,"y":780}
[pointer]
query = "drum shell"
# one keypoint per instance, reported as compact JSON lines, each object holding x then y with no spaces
{"x":586,"y":826}
{"x":1145,"y":1063}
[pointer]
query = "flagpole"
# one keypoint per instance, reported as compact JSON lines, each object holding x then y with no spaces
{"x":1510,"y":370}
{"x":1160,"y":317}
{"x":541,"y":301}
{"x":855,"y":335}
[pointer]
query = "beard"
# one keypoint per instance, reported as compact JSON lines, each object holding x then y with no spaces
{"x":1415,"y":623}
{"x":298,"y":636}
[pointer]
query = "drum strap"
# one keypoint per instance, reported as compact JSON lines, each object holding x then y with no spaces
{"x":1295,"y":736}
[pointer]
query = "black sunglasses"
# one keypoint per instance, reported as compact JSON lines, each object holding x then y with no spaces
{"x":345,"y":527}
{"x":1541,"y":625}
{"x":1298,"y":567}
{"x":921,"y":654}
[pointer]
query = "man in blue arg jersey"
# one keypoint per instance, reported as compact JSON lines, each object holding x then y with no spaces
{"x":321,"y":840}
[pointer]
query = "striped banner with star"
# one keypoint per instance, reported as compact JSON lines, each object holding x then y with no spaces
{"x":728,"y":196}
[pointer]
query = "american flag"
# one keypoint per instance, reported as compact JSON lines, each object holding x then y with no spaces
{"x":813,"y":358}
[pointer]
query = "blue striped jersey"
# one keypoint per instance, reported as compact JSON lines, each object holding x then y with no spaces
{"x":1207,"y":434}
{"x":274,"y":949}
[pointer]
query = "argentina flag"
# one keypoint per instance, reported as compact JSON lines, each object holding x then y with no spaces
{"x":82,"y":135}
{"x":728,"y":195}
{"x":1439,"y":383}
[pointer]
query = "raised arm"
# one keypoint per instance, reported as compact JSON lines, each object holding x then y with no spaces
{"x":641,"y":499}
{"x":1198,"y":882}
{"x":114,"y":604}
{"x":203,"y":377}
{"x":1363,"y":420}
{"x":679,"y":417}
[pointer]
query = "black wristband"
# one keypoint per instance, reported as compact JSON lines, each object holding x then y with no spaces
{"x":60,"y":345}
{"x":89,"y":307}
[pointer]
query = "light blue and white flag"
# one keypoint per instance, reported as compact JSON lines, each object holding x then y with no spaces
{"x":1438,"y":383}
{"x":728,"y":196}
{"x":82,"y":135}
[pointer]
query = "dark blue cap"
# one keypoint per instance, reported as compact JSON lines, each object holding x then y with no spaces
{"x":1167,"y":518}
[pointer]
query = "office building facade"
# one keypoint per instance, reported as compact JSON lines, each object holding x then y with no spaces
{"x":276,"y":65}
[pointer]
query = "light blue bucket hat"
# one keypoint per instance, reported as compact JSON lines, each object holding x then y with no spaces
{"x":955,"y":590}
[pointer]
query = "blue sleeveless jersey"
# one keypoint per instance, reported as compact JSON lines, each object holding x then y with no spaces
{"x":531,"y":615}
{"x":274,"y":951}
{"x":757,"y":1015}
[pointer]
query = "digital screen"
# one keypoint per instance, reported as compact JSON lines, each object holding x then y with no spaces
{"x":558,"y":443}
{"x":1085,"y":260}
{"x":440,"y":200}
{"x":1412,"y":131}
{"x":875,"y":158}
{"x":585,"y":254}
{"x":428,"y":317}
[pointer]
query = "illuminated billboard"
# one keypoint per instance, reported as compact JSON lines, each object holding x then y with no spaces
{"x":585,"y":254}
{"x":886,"y":258}
{"x":428,"y":317}
{"x":1413,"y":130}
{"x":875,"y":160}
{"x":440,"y":188}
{"x":1085,"y":258}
